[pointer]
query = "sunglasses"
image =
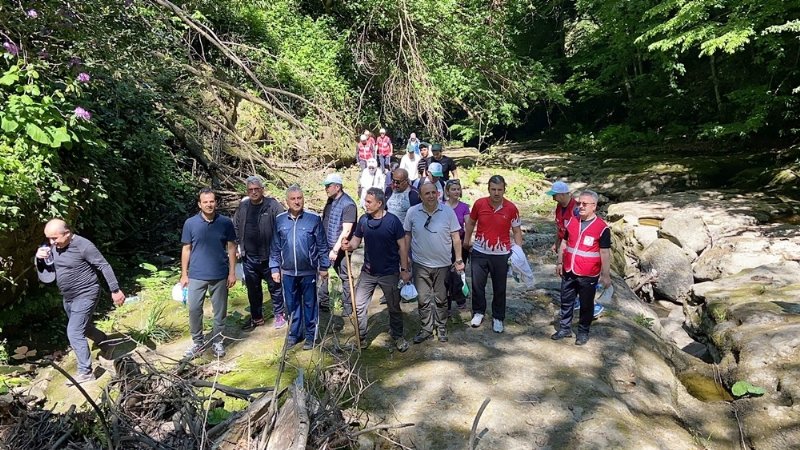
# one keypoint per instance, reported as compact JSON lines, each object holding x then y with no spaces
{"x":428,"y":222}
{"x":396,"y":181}
{"x":585,"y":203}
{"x":377,"y":224}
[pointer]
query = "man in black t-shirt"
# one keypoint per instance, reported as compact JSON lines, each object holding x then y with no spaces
{"x":448,"y":165}
{"x":385,"y":263}
{"x":253,"y":222}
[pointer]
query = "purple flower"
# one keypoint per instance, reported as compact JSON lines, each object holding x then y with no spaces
{"x":44,"y":54}
{"x":81,"y":113}
{"x":75,"y":61}
{"x":11,"y":48}
{"x":32,"y":14}
{"x":83,"y":77}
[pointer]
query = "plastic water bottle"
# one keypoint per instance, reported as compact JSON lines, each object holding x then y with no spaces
{"x":185,"y":295}
{"x":132,"y":299}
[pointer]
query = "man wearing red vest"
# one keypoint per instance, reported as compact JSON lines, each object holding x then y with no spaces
{"x":364,"y":151}
{"x":385,"y":150}
{"x":584,"y":259}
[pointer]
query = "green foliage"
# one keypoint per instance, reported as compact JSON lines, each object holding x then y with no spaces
{"x":742,"y":388}
{"x":217,"y":416}
{"x":154,"y":326}
{"x":643,"y":321}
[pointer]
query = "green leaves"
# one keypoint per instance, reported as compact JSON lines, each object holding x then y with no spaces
{"x":742,"y":388}
{"x":37,"y":134}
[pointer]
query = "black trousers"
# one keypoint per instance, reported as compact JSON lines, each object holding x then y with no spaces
{"x":582,"y":287}
{"x":484,"y":266}
{"x":453,"y":282}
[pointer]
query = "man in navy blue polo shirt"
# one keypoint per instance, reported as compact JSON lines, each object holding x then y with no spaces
{"x":208,"y":258}
{"x":385,"y":262}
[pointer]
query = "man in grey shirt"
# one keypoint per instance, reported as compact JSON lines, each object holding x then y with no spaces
{"x":73,"y":261}
{"x":433,"y":230}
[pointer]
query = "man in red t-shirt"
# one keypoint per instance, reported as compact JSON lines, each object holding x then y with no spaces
{"x":566,"y":209}
{"x":495,"y":218}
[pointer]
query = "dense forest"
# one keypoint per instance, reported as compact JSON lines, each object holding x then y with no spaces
{"x":113,"y":112}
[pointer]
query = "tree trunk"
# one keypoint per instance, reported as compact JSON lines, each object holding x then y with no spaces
{"x":715,"y":81}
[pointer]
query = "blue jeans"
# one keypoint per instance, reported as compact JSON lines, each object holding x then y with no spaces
{"x":301,"y":304}
{"x":79,"y":327}
{"x":255,"y":272}
{"x":385,"y":162}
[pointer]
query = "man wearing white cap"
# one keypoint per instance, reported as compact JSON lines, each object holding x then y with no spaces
{"x":385,"y":150}
{"x":364,"y":151}
{"x":434,"y":175}
{"x":338,"y":218}
{"x":566,"y":209}
{"x":370,"y":177}
{"x":409,"y":162}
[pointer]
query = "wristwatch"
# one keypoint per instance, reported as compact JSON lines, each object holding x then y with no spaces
{"x":115,"y":291}
{"x":403,"y":270}
{"x":459,"y":261}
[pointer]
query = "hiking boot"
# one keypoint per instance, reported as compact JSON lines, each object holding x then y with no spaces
{"x":194,"y":351}
{"x":401,"y":344}
{"x":582,"y":339}
{"x":561,"y":334}
{"x":442,"y":332}
{"x":422,"y":336}
{"x":252,"y":324}
{"x":364,"y":343}
{"x":218,"y":349}
{"x":280,"y":321}
{"x":82,"y":378}
{"x":308,"y":345}
{"x":598,"y":311}
{"x":462,"y":306}
{"x":291,"y":343}
{"x":477,"y":319}
{"x":497,"y":326}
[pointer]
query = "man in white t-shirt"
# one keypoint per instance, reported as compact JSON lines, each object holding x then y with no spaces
{"x":370,"y":177}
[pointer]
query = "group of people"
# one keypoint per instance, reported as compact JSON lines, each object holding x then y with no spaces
{"x":415,"y":231}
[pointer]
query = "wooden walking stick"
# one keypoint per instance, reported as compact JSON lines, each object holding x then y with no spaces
{"x":353,"y":297}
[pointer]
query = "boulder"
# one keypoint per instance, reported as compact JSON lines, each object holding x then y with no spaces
{"x":689,"y":232}
{"x":672,"y":266}
{"x":731,"y":255}
{"x":645,"y":235}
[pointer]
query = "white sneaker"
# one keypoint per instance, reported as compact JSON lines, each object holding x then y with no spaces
{"x":218,"y":349}
{"x":476,"y":320}
{"x":497,"y":326}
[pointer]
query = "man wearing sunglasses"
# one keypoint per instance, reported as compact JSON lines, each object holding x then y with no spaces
{"x":253,"y":222}
{"x":401,"y":196}
{"x":432,"y":229}
{"x":385,"y":263}
{"x":583,"y":260}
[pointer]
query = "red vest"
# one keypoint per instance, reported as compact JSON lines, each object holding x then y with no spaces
{"x":563,"y":215}
{"x":582,"y":253}
{"x":365,"y":151}
{"x":384,"y":145}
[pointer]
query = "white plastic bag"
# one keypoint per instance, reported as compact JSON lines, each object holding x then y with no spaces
{"x":520,"y":268}
{"x":239,"y":269}
{"x":602,"y":294}
{"x":408,"y":292}
{"x":179,"y":293}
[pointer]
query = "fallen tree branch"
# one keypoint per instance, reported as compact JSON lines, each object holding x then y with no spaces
{"x":244,"y":394}
{"x":472,"y":433}
{"x":383,"y":426}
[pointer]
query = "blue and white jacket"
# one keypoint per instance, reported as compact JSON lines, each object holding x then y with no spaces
{"x":299,"y":245}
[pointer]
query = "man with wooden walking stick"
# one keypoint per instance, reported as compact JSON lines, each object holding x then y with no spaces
{"x":338,"y":217}
{"x":385,"y":263}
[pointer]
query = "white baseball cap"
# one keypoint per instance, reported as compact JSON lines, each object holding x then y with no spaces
{"x":333,"y":178}
{"x":383,"y":130}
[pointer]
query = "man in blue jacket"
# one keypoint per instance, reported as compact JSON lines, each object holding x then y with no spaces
{"x":299,"y":252}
